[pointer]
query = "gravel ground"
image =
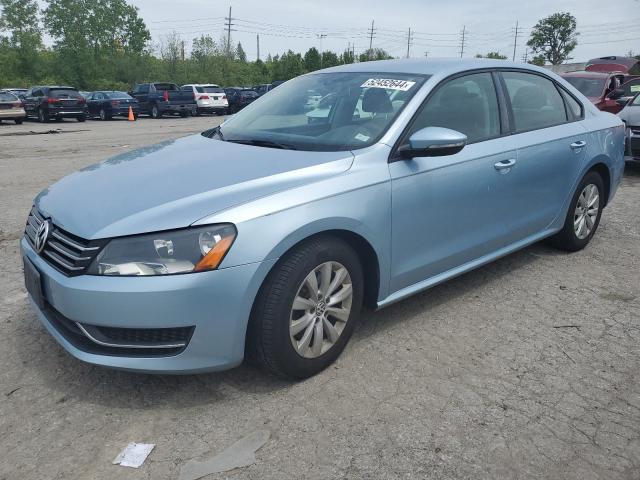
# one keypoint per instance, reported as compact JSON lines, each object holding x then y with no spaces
{"x":525,"y":368}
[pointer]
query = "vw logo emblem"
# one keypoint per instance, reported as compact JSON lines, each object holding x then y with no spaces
{"x":41,"y":236}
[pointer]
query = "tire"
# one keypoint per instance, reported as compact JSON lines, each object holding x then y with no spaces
{"x":81,"y":118}
{"x":155,"y":112}
{"x":18,"y":121}
{"x":184,"y":114}
{"x":269,"y":342}
{"x":569,"y":238}
{"x":42,"y":117}
{"x":104,"y":116}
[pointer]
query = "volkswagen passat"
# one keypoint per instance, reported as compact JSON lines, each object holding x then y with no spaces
{"x":264,"y":237}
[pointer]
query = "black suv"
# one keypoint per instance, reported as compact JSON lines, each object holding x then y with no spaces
{"x":239,"y":98}
{"x":46,"y":103}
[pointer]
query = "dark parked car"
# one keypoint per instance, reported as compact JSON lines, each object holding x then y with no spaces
{"x":46,"y":103}
{"x":108,"y":104}
{"x":599,"y":87}
{"x":160,"y":98}
{"x":262,"y":89}
{"x":239,"y":98}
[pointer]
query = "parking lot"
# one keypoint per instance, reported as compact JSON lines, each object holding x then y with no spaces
{"x":526,"y":368}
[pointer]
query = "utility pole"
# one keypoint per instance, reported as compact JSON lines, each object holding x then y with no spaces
{"x":321,"y":36}
{"x":426,"y":54}
{"x":228,"y":25}
{"x":258,"y":45}
{"x":525,"y":57}
{"x":515,"y":42}
{"x":464,"y":31}
{"x":371,"y":32}
{"x":409,"y":43}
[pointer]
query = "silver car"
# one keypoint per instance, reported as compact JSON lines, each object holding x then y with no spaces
{"x":630,"y":115}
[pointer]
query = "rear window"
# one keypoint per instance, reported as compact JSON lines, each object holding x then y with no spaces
{"x":249,"y":93}
{"x":165,"y":86}
{"x":209,"y":89}
{"x":64,"y":93}
{"x":7,"y":97}
{"x":117,"y":95}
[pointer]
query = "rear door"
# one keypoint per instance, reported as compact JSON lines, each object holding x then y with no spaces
{"x":551,"y":142}
{"x":449,"y":210}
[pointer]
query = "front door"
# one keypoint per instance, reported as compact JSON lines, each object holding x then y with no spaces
{"x":450,"y":210}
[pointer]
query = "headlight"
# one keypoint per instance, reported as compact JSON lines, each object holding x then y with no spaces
{"x":165,"y":253}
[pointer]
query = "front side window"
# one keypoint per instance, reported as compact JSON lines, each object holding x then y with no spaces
{"x":324,"y":111}
{"x":535,"y":101}
{"x":467,"y":104}
{"x":631,"y":88}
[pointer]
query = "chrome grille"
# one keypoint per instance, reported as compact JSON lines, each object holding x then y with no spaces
{"x":65,"y":252}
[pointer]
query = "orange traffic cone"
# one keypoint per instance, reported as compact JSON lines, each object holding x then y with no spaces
{"x":132,"y":118}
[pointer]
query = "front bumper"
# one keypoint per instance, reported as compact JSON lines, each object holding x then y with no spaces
{"x":217,"y":304}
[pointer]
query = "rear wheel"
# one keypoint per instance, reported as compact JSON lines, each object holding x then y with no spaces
{"x":104,"y":115}
{"x":81,"y":118}
{"x":307,"y":308}
{"x":18,"y":121}
{"x":155,"y":112}
{"x":583,"y":216}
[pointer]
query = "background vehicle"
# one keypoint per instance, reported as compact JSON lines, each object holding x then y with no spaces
{"x":210,"y":98}
{"x":239,"y":98}
{"x":18,"y":92}
{"x":108,"y":104}
{"x":626,"y":92}
{"x":263,"y":88}
{"x":158,"y":99}
{"x":630,"y":115}
{"x":11,"y":107}
{"x":598,"y":87}
{"x":56,"y":102}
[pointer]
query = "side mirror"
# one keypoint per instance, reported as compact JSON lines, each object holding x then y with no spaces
{"x":433,"y":142}
{"x":616,"y":94}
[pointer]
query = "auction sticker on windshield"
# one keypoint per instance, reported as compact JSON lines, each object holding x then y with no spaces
{"x":388,"y":83}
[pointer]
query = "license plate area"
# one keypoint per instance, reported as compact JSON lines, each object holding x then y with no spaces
{"x":33,"y":282}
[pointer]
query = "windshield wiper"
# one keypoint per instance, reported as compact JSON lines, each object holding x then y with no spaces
{"x":265,"y":143}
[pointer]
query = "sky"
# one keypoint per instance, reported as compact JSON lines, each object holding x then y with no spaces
{"x":607,"y":28}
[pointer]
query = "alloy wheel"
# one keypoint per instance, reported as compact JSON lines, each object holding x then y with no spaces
{"x":321,"y":309}
{"x":586,"y":212}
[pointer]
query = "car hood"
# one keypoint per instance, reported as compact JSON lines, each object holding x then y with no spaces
{"x":175,"y":183}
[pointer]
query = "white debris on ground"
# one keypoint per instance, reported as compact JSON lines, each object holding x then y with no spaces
{"x":134,"y":455}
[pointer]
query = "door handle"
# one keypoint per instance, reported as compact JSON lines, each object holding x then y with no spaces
{"x":505,"y":165}
{"x":578,"y":145}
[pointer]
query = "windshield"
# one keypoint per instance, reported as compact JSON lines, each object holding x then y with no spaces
{"x":118,"y":95}
{"x":325,"y":111}
{"x":636,"y":101}
{"x":63,"y":93}
{"x":209,"y":89}
{"x":589,"y":87}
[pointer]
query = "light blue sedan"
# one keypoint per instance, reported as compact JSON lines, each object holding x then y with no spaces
{"x":266,"y":236}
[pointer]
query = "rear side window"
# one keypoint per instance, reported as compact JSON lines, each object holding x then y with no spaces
{"x":535,"y":101}
{"x":160,"y":87}
{"x":574,"y":108}
{"x":7,"y":97}
{"x":467,"y":104}
{"x":63,"y":93}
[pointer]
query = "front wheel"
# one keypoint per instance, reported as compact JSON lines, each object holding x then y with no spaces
{"x":81,"y":118}
{"x":307,"y":308}
{"x":584,"y":214}
{"x":18,"y":121}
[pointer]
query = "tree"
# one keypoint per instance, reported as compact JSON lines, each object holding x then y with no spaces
{"x":493,"y":55}
{"x":20,"y":19}
{"x":330,"y":59}
{"x":347,"y":57}
{"x":554,"y":37}
{"x":240,"y":53}
{"x":374,"y":54}
{"x":538,"y":60}
{"x":312,"y":60}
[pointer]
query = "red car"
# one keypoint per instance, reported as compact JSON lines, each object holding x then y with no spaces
{"x":599,"y":87}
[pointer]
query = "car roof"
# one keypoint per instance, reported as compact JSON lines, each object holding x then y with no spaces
{"x":584,"y":74}
{"x":423,"y":66}
{"x":201,"y":85}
